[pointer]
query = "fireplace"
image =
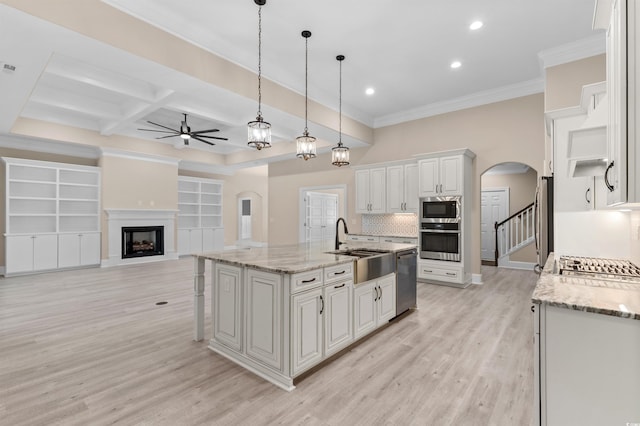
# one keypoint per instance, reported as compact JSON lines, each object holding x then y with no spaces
{"x":140,"y":241}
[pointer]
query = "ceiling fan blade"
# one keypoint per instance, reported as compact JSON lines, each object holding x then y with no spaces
{"x":206,"y":131}
{"x":202,"y":140}
{"x":154,"y":130}
{"x":169,"y":136}
{"x":210,"y":137}
{"x":165,"y":127}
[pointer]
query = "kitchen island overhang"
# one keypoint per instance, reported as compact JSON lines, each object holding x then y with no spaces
{"x":279,"y":311}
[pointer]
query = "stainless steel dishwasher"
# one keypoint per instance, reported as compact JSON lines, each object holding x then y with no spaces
{"x":406,"y":280}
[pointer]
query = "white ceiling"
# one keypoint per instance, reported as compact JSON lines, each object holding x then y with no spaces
{"x":401,"y":48}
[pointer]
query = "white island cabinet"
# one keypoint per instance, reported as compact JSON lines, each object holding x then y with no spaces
{"x":279,"y":311}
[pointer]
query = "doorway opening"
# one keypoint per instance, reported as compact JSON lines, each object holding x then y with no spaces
{"x":507,"y":192}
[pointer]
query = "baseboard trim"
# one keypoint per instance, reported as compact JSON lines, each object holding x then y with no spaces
{"x":476,"y":279}
{"x":514,"y":264}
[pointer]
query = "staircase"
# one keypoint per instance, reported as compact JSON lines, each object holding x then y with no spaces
{"x":515,"y":232}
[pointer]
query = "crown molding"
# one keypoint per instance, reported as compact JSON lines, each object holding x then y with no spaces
{"x":110,"y":152}
{"x":214,"y":169}
{"x":476,"y":99}
{"x":585,"y":48}
{"x":48,"y":146}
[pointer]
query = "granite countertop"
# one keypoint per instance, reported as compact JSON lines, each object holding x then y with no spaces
{"x":616,"y":298}
{"x":382,"y":235}
{"x":295,"y":258}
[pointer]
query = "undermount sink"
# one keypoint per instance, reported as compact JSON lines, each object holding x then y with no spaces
{"x":371,"y":264}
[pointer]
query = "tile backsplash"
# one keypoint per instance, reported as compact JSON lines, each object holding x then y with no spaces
{"x":401,"y":225}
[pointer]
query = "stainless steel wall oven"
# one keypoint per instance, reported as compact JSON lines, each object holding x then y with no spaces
{"x":440,"y":228}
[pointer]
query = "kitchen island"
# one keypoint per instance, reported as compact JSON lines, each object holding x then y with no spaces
{"x":587,"y":349}
{"x":279,"y":311}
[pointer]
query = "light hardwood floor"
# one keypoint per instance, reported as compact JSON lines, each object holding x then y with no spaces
{"x":91,"y":347}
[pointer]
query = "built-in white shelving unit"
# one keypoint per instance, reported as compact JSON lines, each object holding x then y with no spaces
{"x":200,"y":227}
{"x":52,"y":216}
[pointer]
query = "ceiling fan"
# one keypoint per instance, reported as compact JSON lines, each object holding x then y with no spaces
{"x":185,"y":132}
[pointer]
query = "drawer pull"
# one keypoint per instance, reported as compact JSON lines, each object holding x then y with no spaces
{"x":308,"y":281}
{"x":452,"y":274}
{"x":429,"y":271}
{"x":339,"y":286}
{"x":339,"y":273}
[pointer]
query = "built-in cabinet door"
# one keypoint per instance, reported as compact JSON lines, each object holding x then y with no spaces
{"x":395,"y":189}
{"x":90,"y":248}
{"x":338,"y":330}
{"x":362,"y":191}
{"x":411,"y":188}
{"x":19,"y":256}
{"x":616,"y":174}
{"x":184,"y":242}
{"x":227,"y":302}
{"x":377,"y":190}
{"x":45,"y":252}
{"x":451,"y":175}
{"x":69,"y":250}
{"x":364,"y":308}
{"x":264,"y":317}
{"x":429,"y":181}
{"x":195,"y":240}
{"x":386,"y":298}
{"x":308,"y":309}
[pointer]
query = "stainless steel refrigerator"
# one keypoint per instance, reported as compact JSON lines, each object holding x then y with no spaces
{"x":543,"y":220}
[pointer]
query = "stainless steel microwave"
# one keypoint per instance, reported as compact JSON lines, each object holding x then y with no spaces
{"x":440,"y":209}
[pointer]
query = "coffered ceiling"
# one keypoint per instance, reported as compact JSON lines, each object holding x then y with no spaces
{"x":402,"y":49}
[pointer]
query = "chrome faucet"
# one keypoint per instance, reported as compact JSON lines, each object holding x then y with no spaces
{"x":345,"y":231}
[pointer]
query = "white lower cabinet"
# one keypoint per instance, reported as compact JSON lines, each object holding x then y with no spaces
{"x":227,"y":303}
{"x":433,"y":270}
{"x":30,"y":253}
{"x":78,"y":249}
{"x":338,"y":313}
{"x":264,"y":317}
{"x":321,"y":324}
{"x":374,"y":303}
{"x":589,"y":369}
{"x":307,"y":329}
{"x":198,"y":240}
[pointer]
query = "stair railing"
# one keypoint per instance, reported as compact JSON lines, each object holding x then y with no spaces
{"x":515,"y":232}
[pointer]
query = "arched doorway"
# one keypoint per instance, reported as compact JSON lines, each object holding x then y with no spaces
{"x":508,"y":190}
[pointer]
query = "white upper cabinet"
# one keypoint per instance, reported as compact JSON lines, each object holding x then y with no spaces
{"x":402,"y":188}
{"x":371,"y":190}
{"x":620,"y":18}
{"x":441,"y":176}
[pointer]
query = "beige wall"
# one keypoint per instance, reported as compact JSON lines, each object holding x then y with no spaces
{"x":522,"y":188}
{"x":563,"y":83}
{"x":136,"y":184}
{"x":30,"y":155}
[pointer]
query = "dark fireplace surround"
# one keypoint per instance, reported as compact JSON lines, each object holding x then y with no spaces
{"x":141,"y":241}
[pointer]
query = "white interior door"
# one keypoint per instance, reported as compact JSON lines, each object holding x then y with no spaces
{"x":494,"y":207}
{"x":322,"y":210}
{"x":244,"y":219}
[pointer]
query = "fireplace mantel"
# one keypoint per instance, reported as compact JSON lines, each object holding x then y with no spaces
{"x":119,"y":218}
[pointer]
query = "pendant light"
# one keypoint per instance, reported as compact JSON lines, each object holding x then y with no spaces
{"x":259,"y":131}
{"x":340,"y":153}
{"x":306,"y":145}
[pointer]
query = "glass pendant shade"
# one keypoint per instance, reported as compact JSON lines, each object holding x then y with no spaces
{"x":259,"y":133}
{"x":306,"y":146}
{"x":340,"y":155}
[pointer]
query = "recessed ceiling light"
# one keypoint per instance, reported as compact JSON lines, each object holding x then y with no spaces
{"x":476,"y":25}
{"x":370,"y":91}
{"x":456,"y":64}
